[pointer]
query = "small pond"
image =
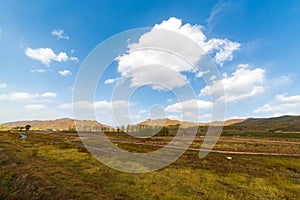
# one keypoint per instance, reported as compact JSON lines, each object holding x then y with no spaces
{"x":23,"y":136}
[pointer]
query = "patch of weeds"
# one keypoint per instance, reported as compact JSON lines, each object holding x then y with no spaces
{"x":6,"y":183}
{"x":35,"y":152}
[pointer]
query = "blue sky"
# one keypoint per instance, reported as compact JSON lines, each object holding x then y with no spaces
{"x":255,"y":45}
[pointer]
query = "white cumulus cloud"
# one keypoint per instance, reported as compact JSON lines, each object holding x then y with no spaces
{"x":189,"y":105}
{"x":285,"y":98}
{"x":282,"y":105}
{"x":46,"y":55}
{"x":49,"y":95}
{"x":223,"y":49}
{"x":74,"y":59}
{"x":201,"y":73}
{"x":27,"y":97}
{"x":158,"y":50}
{"x":111,"y":80}
{"x":19,"y":96}
{"x":242,"y":84}
{"x":190,"y":110}
{"x":65,"y":73}
{"x":114,"y":113}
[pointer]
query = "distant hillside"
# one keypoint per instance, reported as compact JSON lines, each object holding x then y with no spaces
{"x":159,"y":122}
{"x":283,"y":123}
{"x":170,"y":122}
{"x":59,"y":124}
{"x":166,"y":122}
{"x":226,"y":123}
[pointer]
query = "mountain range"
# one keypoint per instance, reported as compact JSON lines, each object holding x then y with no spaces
{"x":290,"y":123}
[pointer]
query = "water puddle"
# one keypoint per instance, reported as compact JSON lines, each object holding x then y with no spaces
{"x":23,"y":136}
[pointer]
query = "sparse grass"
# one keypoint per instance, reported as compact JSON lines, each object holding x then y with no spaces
{"x":56,"y":166}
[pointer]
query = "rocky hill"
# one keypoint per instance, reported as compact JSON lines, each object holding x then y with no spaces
{"x":58,"y":124}
{"x":283,"y":123}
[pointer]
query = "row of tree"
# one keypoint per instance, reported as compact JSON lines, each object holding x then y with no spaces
{"x":21,"y":128}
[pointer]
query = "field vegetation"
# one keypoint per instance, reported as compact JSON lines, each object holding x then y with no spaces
{"x":56,"y":166}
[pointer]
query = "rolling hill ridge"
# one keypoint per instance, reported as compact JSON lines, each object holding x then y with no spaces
{"x":59,"y":124}
{"x":283,"y":123}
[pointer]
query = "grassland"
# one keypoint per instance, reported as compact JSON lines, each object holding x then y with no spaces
{"x":57,"y":166}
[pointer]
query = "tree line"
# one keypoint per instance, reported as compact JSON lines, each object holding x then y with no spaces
{"x":21,"y":128}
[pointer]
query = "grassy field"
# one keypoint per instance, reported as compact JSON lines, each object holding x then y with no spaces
{"x":56,"y":166}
